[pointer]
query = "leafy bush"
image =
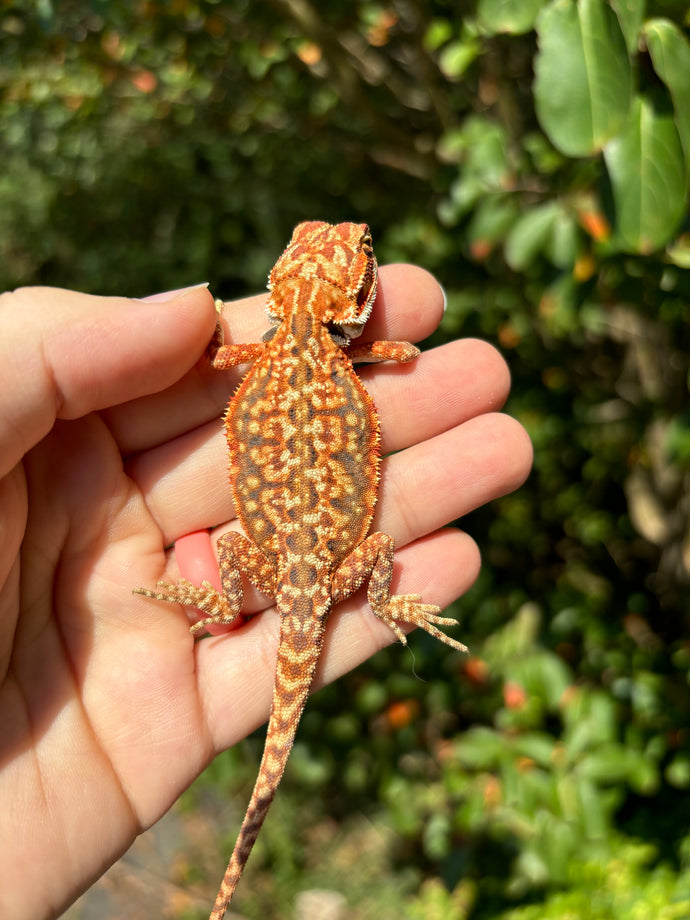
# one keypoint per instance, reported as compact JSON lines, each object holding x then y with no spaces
{"x":535,"y":157}
{"x":621,"y":889}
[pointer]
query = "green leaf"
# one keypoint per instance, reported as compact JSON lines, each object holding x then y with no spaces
{"x":679,"y":251}
{"x":583,"y":81}
{"x":613,"y":763}
{"x":438,"y":32}
{"x":492,"y":219}
{"x":678,"y":772}
{"x":457,"y":56}
{"x":670,"y":54}
{"x":486,"y":144}
{"x":537,"y":746}
{"x":590,"y":806}
{"x":677,"y":439}
{"x":480,"y":146}
{"x":543,"y":675}
{"x":511,"y":16}
{"x":630,"y":15}
{"x":561,"y":248}
{"x":529,"y":235}
{"x":647,"y":170}
{"x":481,"y":748}
{"x":610,"y":763}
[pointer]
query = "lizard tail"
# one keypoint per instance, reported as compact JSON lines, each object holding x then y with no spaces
{"x":298,"y":653}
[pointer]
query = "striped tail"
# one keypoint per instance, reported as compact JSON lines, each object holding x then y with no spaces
{"x":301,"y":640}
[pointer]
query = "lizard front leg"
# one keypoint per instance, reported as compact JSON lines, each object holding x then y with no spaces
{"x":381,"y":351}
{"x":222,"y":357}
{"x":236,"y":555}
{"x":373,"y":560}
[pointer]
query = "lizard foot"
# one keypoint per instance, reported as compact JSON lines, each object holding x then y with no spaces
{"x":410,"y":609}
{"x":203,"y":597}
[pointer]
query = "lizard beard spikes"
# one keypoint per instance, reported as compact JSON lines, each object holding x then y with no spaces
{"x":303,"y":439}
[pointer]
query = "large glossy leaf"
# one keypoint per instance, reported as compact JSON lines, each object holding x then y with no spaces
{"x":511,"y":16}
{"x":670,"y":53}
{"x":583,"y":78}
{"x":630,"y":15}
{"x":647,"y":170}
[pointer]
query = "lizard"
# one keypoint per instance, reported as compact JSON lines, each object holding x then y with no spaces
{"x":304,"y":445}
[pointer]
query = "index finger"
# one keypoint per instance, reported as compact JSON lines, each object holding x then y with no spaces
{"x":66,"y":354}
{"x":409,"y":305}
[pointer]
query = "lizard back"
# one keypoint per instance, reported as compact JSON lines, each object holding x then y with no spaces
{"x":304,"y":441}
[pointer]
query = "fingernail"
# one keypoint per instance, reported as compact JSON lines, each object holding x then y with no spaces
{"x":445,"y":298}
{"x":195,"y":559}
{"x":170,"y":295}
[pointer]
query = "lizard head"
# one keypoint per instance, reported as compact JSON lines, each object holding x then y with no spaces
{"x":339,"y":258}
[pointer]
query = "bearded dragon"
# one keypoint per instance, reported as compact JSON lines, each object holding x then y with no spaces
{"x":304,"y":443}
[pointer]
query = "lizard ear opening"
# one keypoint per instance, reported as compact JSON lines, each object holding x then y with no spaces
{"x":364,"y":293}
{"x":364,"y":297}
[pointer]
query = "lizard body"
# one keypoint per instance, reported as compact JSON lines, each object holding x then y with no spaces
{"x":304,"y":440}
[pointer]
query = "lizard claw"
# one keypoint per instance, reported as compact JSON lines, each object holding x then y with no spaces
{"x":410,"y":609}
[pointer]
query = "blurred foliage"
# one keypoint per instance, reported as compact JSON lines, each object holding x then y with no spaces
{"x":535,"y":157}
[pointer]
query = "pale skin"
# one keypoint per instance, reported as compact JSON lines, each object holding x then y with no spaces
{"x":108,"y":707}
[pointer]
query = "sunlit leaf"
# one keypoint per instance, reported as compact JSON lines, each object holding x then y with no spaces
{"x":670,"y":53}
{"x":511,"y":16}
{"x":583,"y":77}
{"x":438,"y":32}
{"x":678,"y":772}
{"x":647,"y":171}
{"x":679,"y":251}
{"x":456,"y":57}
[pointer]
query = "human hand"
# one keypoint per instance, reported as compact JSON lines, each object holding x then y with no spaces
{"x":110,"y":450}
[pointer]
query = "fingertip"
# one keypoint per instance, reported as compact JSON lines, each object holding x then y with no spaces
{"x":489,"y":365}
{"x":508,"y":451}
{"x":187,"y":316}
{"x":196,"y":560}
{"x":466,"y":547}
{"x":522,"y":450}
{"x":126,"y":348}
{"x":410,"y":302}
{"x":173,"y":294}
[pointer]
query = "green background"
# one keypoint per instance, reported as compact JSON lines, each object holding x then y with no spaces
{"x":534,"y":156}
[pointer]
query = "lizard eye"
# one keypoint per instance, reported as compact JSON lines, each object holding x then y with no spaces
{"x":367,"y":245}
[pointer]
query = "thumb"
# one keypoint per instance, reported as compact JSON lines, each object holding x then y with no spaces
{"x":64,"y":354}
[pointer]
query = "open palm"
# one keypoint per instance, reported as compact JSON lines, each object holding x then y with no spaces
{"x":110,"y":450}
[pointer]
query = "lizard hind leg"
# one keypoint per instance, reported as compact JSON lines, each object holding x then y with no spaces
{"x":236,"y":554}
{"x":373,"y":559}
{"x":204,"y":597}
